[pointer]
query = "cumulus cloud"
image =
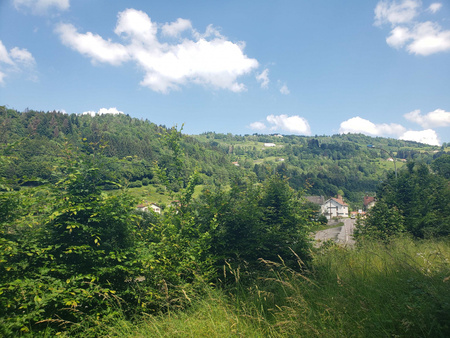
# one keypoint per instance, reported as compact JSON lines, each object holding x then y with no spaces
{"x":434,"y":7}
{"x":258,"y":126}
{"x":208,"y":59}
{"x":92,"y":45}
{"x":285,"y":90}
{"x":174,"y":29}
{"x":2,"y":78}
{"x":394,"y":12}
{"x":4,"y":55}
{"x":427,"y":136}
{"x":436,"y":118}
{"x":363,"y":126}
{"x":292,"y":124}
{"x":103,"y":111}
{"x":41,"y":6}
{"x":263,"y":78}
{"x":17,"y":60}
{"x":284,"y":123}
{"x":22,"y":56}
{"x":428,"y":38}
{"x":417,"y":37}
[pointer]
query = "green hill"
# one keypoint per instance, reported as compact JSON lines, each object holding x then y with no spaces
{"x":320,"y":165}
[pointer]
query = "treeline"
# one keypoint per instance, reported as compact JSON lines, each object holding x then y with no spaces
{"x":416,"y":202}
{"x":322,"y":165}
{"x":138,"y":143}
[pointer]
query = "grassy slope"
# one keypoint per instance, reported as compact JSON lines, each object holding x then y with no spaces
{"x":401,"y":289}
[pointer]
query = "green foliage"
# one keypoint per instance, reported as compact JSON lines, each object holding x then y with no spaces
{"x":382,"y":222}
{"x":253,"y":221}
{"x":416,"y":201}
{"x":442,"y":166}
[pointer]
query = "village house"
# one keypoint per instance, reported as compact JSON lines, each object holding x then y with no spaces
{"x":369,"y":202}
{"x":145,"y":207}
{"x":335,"y":207}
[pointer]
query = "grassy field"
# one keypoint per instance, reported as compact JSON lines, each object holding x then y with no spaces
{"x":157,"y":194}
{"x":399,"y":289}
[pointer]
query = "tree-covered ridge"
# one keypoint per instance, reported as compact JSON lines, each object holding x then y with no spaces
{"x":139,"y":143}
{"x":322,"y":165}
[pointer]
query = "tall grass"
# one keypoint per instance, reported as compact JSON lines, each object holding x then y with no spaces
{"x":375,"y":290}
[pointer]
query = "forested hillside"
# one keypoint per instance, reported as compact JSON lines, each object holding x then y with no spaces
{"x":322,"y":165}
{"x":40,"y":137}
{"x":319,"y":165}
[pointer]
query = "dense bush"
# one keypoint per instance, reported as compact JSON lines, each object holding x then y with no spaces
{"x":416,"y":201}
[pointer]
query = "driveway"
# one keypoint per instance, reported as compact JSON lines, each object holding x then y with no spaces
{"x":341,"y":235}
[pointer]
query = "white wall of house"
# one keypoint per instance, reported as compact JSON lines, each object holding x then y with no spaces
{"x":155,"y":208}
{"x":332,"y":208}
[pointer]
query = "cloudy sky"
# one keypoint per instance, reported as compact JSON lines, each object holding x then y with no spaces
{"x":381,"y":68}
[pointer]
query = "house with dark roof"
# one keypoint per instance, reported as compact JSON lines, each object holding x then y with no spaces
{"x":369,"y":202}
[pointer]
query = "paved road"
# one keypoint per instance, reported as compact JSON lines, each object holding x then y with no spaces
{"x":341,"y":235}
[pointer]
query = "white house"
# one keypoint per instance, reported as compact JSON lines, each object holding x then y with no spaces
{"x":155,"y":208}
{"x":269,"y":145}
{"x":145,"y":207}
{"x":335,"y":207}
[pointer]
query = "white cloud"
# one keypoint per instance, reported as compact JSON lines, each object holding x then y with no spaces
{"x":22,"y":56}
{"x":284,"y":90}
{"x":2,"y":78}
{"x":291,"y":124}
{"x":92,"y":45}
{"x":17,"y":60}
{"x":263,"y":78}
{"x":363,"y":126}
{"x":395,"y":12}
{"x":209,"y":59}
{"x":4,"y":55}
{"x":399,"y":36}
{"x":103,"y":111}
{"x":427,"y":136}
{"x":429,"y":38}
{"x":434,"y":7}
{"x":257,"y":126}
{"x":436,"y":118}
{"x":176,"y":28}
{"x":418,"y":37}
{"x":41,"y":6}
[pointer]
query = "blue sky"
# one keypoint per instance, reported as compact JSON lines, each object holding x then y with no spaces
{"x":321,"y":67}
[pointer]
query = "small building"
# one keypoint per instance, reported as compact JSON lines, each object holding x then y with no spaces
{"x":359,"y":213}
{"x":155,"y":208}
{"x":268,"y":145}
{"x":369,"y":202}
{"x":235,"y":163}
{"x":146,"y":207}
{"x":335,"y":207}
{"x":142,"y":207}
